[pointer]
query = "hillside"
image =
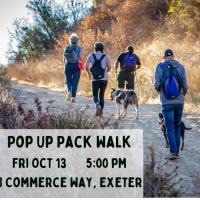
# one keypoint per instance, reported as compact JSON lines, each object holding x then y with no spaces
{"x":150,"y":26}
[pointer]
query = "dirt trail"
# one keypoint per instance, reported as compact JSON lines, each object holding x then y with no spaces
{"x":188,"y":164}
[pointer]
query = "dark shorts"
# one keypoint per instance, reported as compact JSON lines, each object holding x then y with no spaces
{"x":98,"y":91}
{"x":126,"y":78}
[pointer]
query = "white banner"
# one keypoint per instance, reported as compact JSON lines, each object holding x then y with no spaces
{"x":71,"y":163}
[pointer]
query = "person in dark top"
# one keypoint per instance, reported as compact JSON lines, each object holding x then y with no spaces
{"x":129,"y":62}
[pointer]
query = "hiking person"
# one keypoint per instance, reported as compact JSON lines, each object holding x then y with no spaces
{"x":129,"y":63}
{"x":72,"y":60}
{"x":171,"y":84}
{"x":98,"y":65}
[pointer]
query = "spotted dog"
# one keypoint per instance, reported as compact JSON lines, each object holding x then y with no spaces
{"x":124,"y":98}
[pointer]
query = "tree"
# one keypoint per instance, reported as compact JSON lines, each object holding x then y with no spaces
{"x":37,"y":39}
{"x":32,"y":42}
{"x":51,"y":21}
{"x":97,"y":3}
{"x":77,"y":9}
{"x":50,"y":17}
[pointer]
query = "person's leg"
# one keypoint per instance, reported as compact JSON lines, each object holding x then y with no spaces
{"x":130,"y":81}
{"x":103,"y":86}
{"x":178,"y":112}
{"x":68,"y":77}
{"x":95,"y":92}
{"x":120,"y":80}
{"x":75,"y":80}
{"x":168,"y":113}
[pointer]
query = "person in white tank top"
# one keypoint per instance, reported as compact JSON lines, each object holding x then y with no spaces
{"x":98,"y":85}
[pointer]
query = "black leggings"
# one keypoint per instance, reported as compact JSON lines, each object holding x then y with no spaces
{"x":98,"y":91}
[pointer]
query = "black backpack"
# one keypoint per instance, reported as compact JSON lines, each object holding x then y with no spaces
{"x":96,"y":69}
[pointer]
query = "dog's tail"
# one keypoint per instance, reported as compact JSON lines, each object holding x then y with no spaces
{"x":130,"y":93}
{"x":186,"y":128}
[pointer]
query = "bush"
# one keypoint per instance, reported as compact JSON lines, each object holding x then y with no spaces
{"x":17,"y":117}
{"x":158,"y":183}
{"x":8,"y":113}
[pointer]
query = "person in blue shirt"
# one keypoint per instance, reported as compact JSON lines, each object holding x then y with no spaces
{"x":72,"y":58}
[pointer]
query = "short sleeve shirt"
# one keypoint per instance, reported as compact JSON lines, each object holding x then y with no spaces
{"x":77,"y":49}
{"x":104,"y":63}
{"x":120,"y":59}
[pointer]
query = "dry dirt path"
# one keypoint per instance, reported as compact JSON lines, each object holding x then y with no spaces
{"x":189,"y":163}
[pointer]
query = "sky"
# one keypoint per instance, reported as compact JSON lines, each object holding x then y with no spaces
{"x":10,"y":10}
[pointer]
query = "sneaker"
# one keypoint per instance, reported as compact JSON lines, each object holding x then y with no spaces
{"x":101,"y":113}
{"x":98,"y":110}
{"x":68,"y":95}
{"x":73,"y":100}
{"x":172,"y":157}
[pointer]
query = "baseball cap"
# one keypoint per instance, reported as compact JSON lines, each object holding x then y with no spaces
{"x":168,"y":52}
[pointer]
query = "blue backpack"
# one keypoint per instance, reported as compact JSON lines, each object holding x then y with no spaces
{"x":171,"y":81}
{"x":130,"y":61}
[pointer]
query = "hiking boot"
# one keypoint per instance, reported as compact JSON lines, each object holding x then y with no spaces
{"x":172,"y":157}
{"x":98,"y":110}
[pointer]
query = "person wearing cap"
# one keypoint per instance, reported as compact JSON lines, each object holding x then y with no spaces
{"x":172,"y":108}
{"x":98,"y":85}
{"x":72,"y":60}
{"x":129,"y":63}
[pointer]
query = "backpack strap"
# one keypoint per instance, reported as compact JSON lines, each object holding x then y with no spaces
{"x":95,"y":58}
{"x":79,"y":50}
{"x":102,"y":57}
{"x":74,"y":48}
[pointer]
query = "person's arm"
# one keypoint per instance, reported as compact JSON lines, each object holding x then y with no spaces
{"x":157,"y":81}
{"x":64,"y":59}
{"x":184,"y":82}
{"x":138,"y":63}
{"x":87,"y":66}
{"x":108,"y":64}
{"x":117,"y":63}
{"x":80,"y":56}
